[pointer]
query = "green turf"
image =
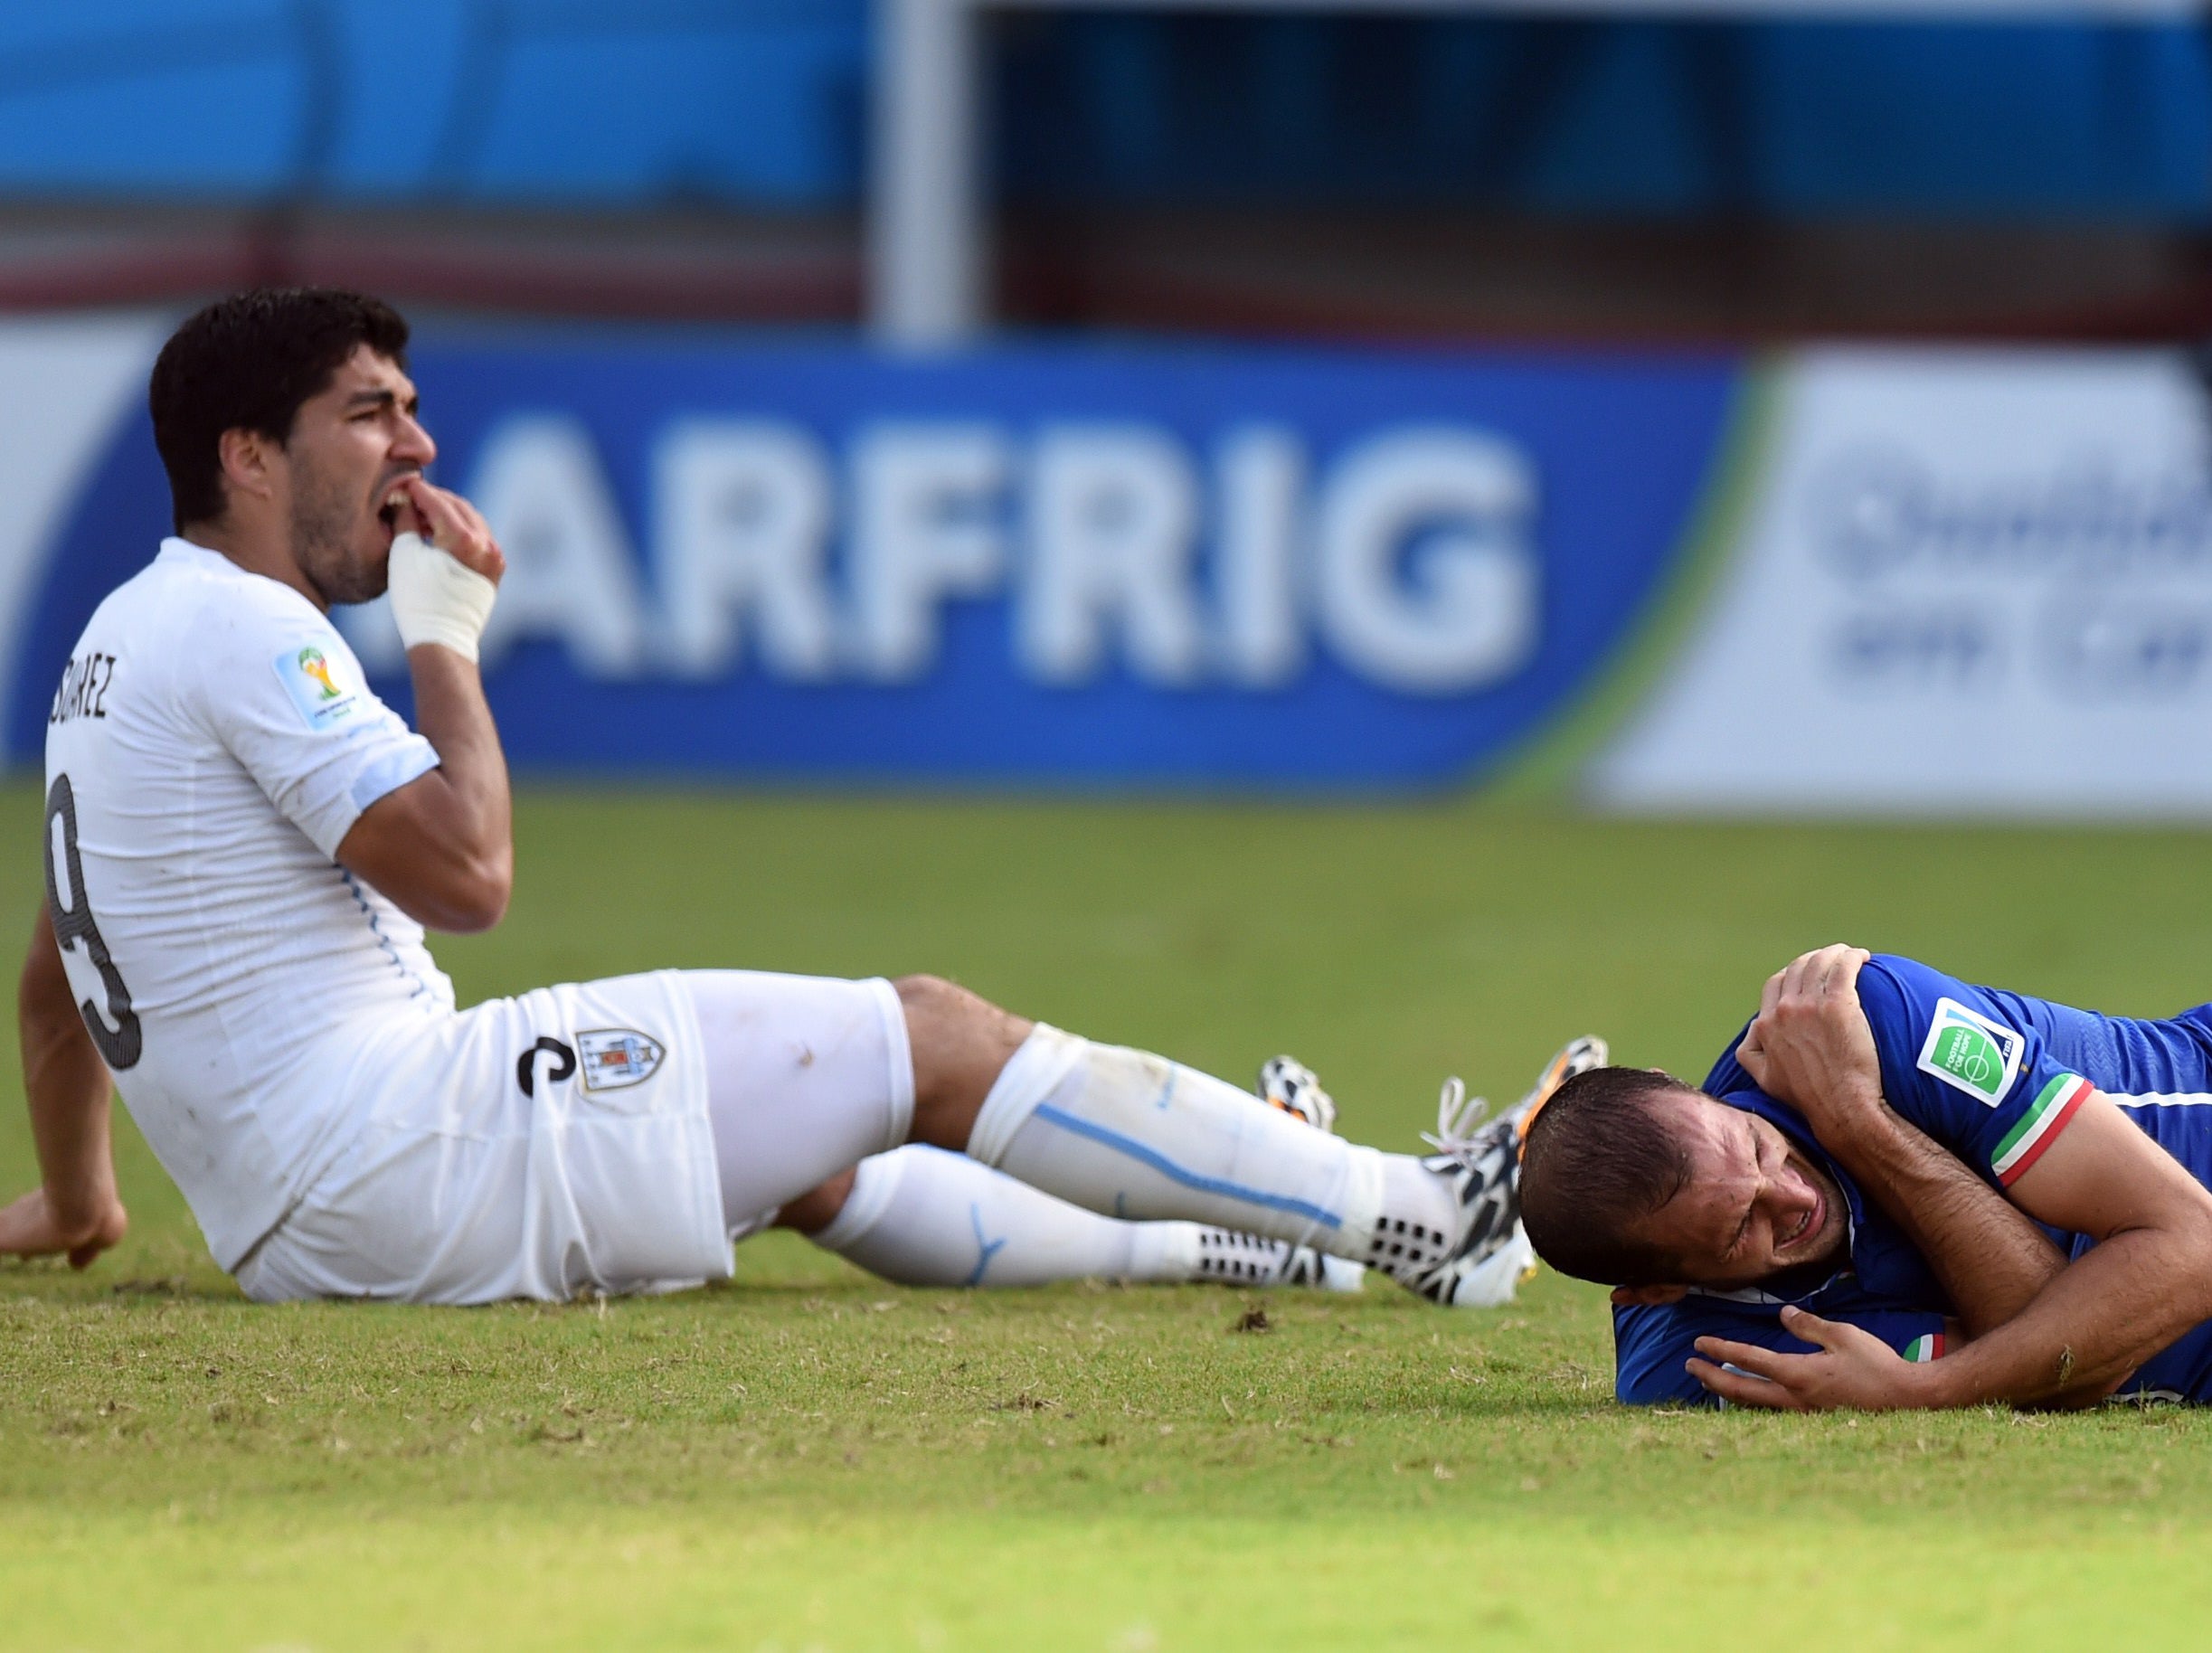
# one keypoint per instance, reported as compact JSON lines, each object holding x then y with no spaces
{"x":808,"y":1458}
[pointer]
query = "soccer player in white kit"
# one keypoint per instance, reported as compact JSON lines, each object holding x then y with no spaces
{"x":244,"y":846}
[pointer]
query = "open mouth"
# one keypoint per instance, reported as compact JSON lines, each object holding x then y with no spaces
{"x":388,"y":513}
{"x":1811,"y":1223}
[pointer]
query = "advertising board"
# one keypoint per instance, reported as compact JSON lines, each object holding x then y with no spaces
{"x":1965,"y":580}
{"x":1923,"y":582}
{"x":1048,"y":566}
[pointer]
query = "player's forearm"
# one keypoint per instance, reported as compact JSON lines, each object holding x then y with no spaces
{"x":475,"y":829}
{"x":67,"y":1087}
{"x":69,"y":1125}
{"x":2105,"y":1314}
{"x":1990,"y":1258}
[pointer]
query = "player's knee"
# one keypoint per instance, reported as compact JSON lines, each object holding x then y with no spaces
{"x":932,"y":999}
{"x":934,"y":1010}
{"x":946,"y":1018}
{"x":959,"y":1041}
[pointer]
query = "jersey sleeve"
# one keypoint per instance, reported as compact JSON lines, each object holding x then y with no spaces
{"x":1964,"y":1065}
{"x":1652,"y":1345}
{"x":285,"y":696}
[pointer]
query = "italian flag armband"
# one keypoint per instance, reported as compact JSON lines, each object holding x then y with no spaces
{"x":2039,"y":1128}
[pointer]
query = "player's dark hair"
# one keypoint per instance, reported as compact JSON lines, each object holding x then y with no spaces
{"x":1598,"y":1160}
{"x":246,"y":363}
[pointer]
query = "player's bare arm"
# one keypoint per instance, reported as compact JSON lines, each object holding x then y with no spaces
{"x":2148,"y":1279}
{"x":441,"y":847}
{"x":76,"y":1209}
{"x":1811,"y":1046}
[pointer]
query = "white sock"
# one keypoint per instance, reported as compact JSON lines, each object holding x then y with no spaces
{"x":1420,"y":1219}
{"x":920,"y":1216}
{"x":1133,"y":1135}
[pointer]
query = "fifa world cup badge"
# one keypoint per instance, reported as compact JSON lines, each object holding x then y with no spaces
{"x":320,"y":684}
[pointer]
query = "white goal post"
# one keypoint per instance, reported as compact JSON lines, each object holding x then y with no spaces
{"x":929,"y":223}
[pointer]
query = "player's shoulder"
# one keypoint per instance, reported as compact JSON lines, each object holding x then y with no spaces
{"x":217,"y":617}
{"x":1650,"y":1344}
{"x":1897,"y":993}
{"x":1653,"y":1342}
{"x":186,"y":572}
{"x":155,"y":631}
{"x":196,"y":633}
{"x":1905,"y":1000}
{"x":1897,"y":979}
{"x":1946,"y":1027}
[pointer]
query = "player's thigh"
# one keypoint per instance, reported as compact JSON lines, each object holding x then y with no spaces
{"x":807,"y":1076}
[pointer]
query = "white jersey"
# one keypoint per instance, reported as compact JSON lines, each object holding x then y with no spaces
{"x":212,"y":742}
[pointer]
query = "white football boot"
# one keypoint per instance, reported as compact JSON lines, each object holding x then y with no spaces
{"x":1491,"y":1257}
{"x":1576,"y":1056}
{"x":1288,"y":1083}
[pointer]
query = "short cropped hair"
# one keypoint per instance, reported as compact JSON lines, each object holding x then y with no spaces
{"x":247,"y":363}
{"x":1599,"y":1161}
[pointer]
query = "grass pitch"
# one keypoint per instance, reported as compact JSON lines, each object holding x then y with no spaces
{"x":809,"y":1459}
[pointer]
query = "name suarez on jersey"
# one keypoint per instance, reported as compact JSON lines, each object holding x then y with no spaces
{"x":84,"y":688}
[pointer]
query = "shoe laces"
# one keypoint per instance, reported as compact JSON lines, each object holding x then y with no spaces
{"x":1458,"y":1116}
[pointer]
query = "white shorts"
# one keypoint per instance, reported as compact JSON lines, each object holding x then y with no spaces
{"x":567,"y":1139}
{"x":805,"y":1078}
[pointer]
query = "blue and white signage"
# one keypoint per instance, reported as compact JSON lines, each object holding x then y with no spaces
{"x":1058,"y":566}
{"x":1963,"y":581}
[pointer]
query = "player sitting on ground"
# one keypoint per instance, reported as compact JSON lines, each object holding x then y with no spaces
{"x":243,"y":846}
{"x":1889,"y":1166}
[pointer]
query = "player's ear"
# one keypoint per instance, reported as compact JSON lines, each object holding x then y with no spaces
{"x":245,"y":457}
{"x":1647,"y":1296}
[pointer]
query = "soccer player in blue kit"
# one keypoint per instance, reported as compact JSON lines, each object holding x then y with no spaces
{"x":1895,"y":1189}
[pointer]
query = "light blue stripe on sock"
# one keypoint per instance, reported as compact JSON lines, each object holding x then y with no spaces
{"x":984,"y":1249}
{"x":1174,"y":1173}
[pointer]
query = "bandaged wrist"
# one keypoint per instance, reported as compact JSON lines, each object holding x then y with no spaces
{"x":435,"y":599}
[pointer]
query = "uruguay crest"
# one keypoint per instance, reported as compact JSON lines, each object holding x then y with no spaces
{"x":615,"y":1058}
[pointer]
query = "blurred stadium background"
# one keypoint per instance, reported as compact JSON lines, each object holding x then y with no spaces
{"x":1725,"y":405}
{"x":1287,"y":495}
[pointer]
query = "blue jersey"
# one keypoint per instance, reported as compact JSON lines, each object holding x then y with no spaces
{"x":1993,"y":1076}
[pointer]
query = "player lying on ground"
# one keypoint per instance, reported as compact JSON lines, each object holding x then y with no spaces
{"x":243,"y":846}
{"x":1888,"y":1165}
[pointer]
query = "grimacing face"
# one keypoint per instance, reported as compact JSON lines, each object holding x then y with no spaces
{"x":1753,"y":1205}
{"x":350,"y":443}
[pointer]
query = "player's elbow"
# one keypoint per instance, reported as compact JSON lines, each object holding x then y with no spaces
{"x":2194,"y":1239}
{"x":477,"y":895}
{"x":2180,"y":1238}
{"x":460,"y":894}
{"x":459,"y":891}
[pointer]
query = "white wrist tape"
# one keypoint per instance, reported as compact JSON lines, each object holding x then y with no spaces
{"x":435,"y":599}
